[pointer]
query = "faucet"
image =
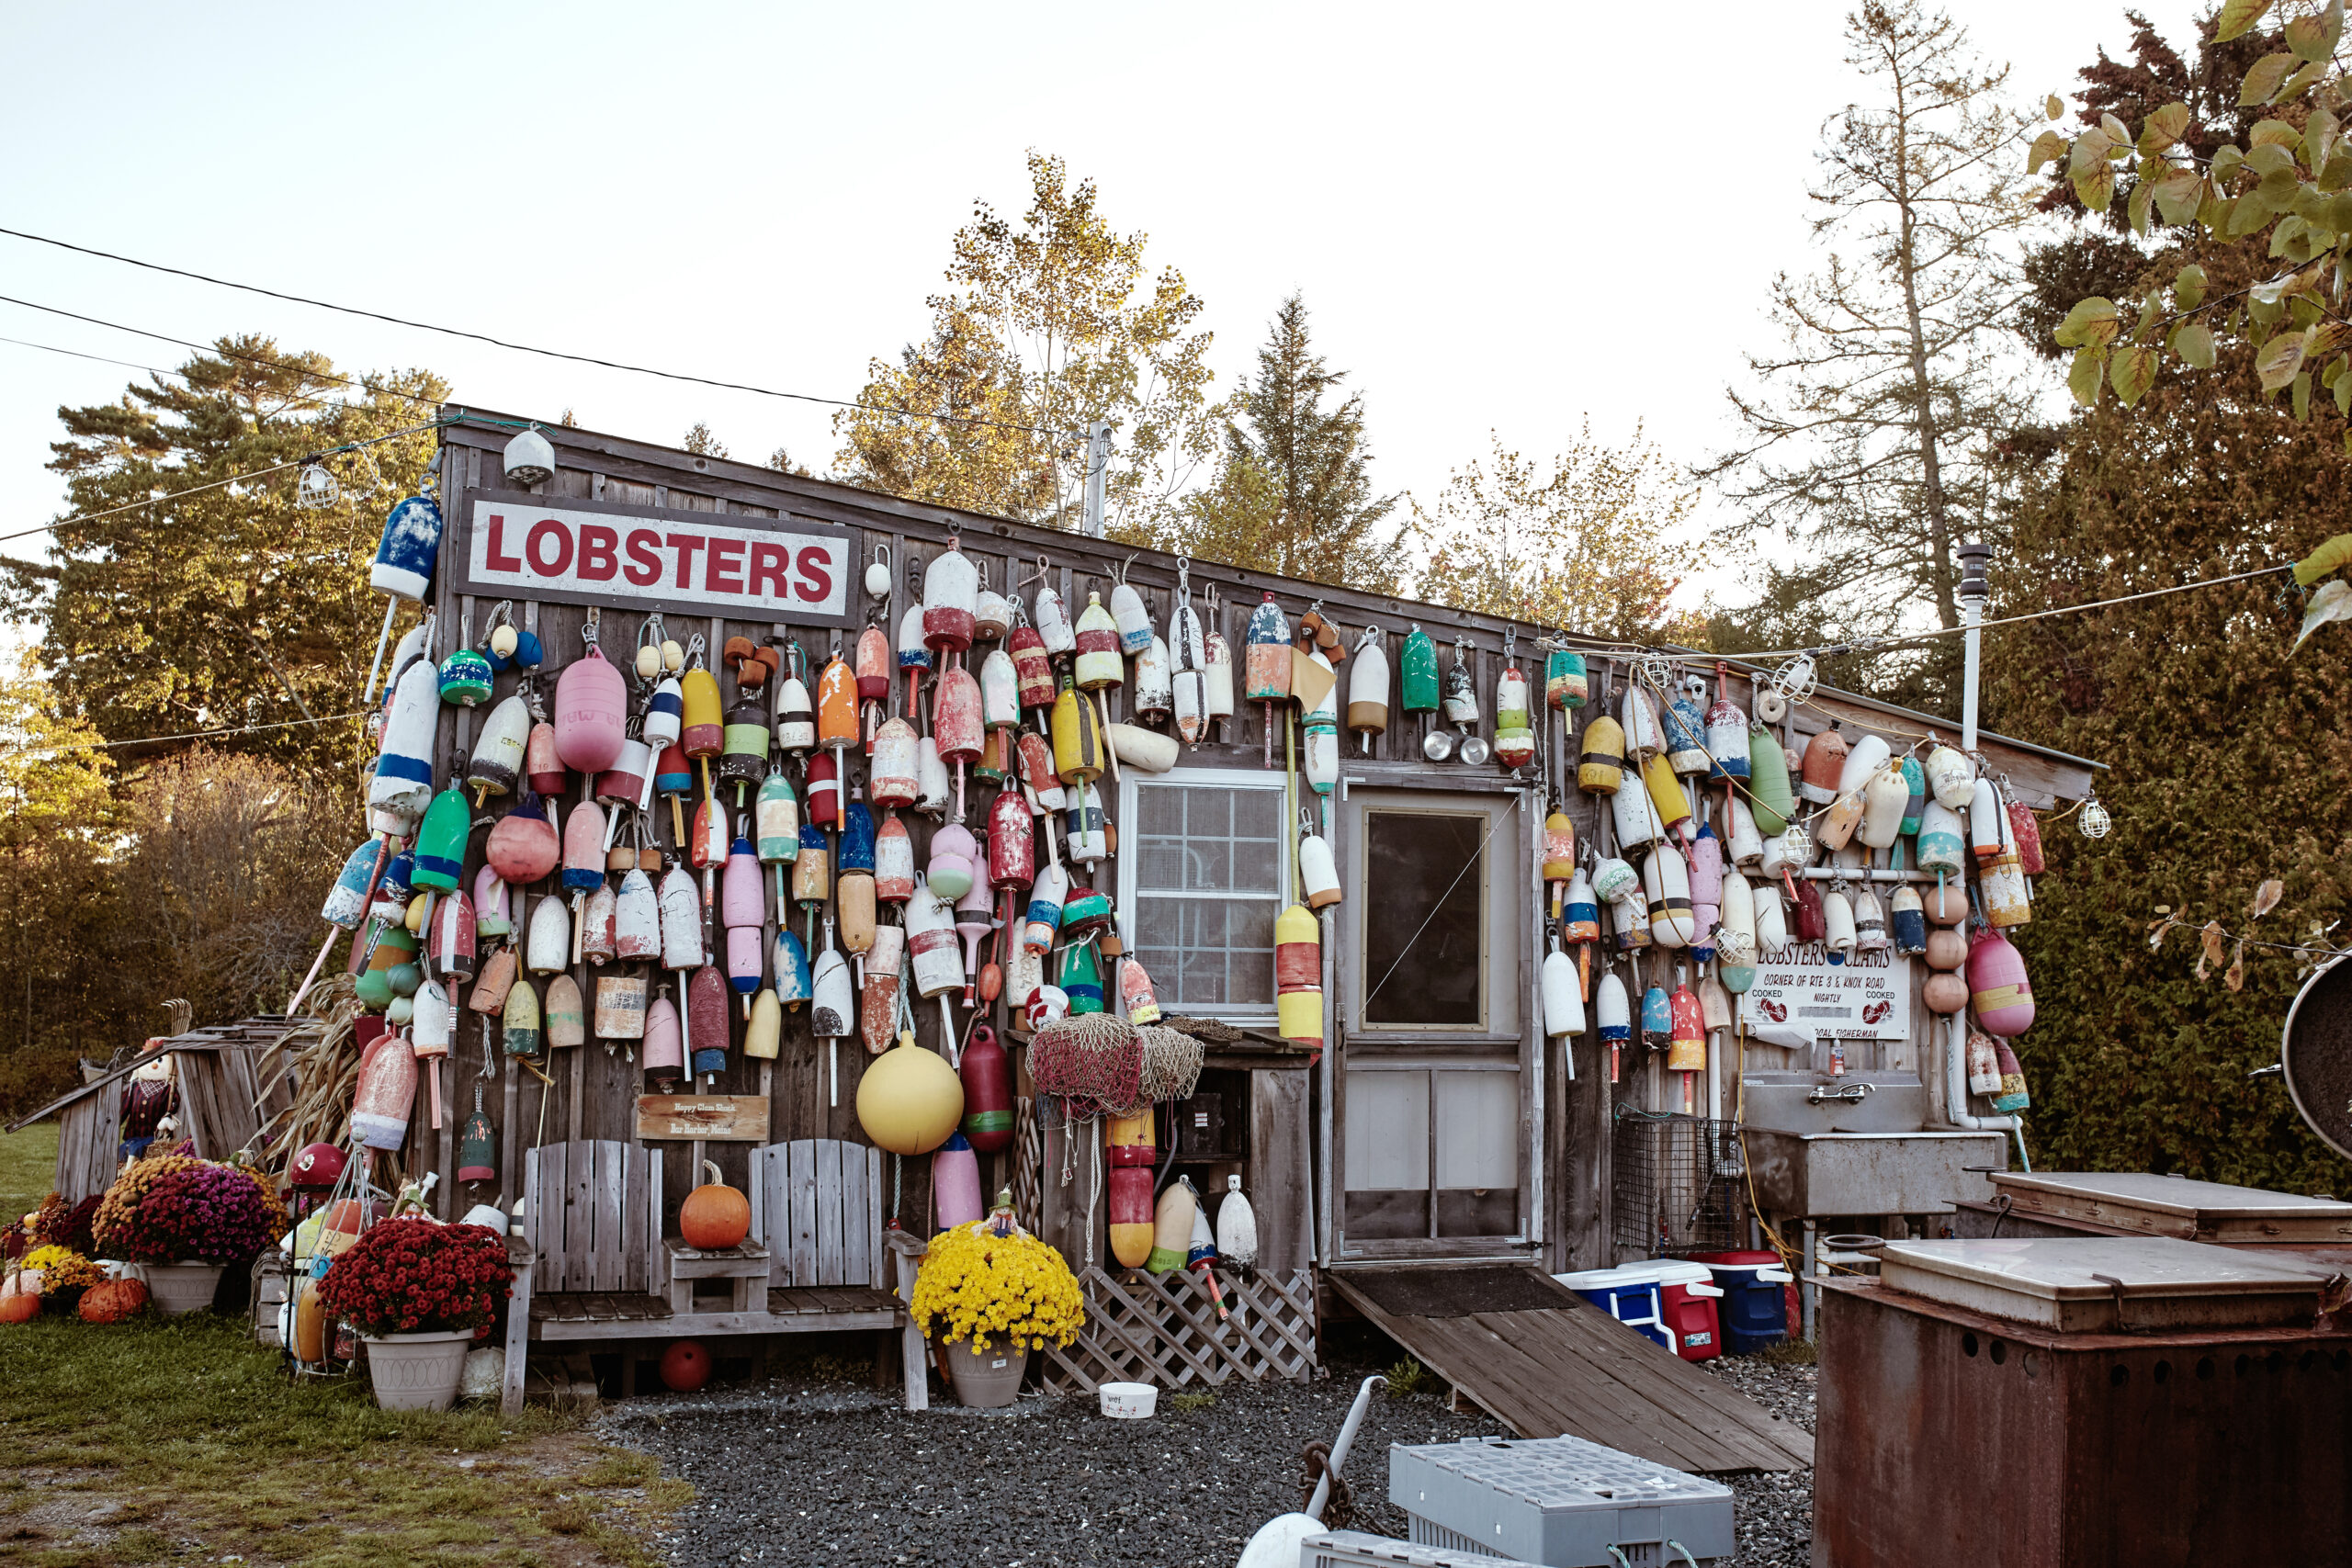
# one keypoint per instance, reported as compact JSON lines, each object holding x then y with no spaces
{"x":1852,"y":1094}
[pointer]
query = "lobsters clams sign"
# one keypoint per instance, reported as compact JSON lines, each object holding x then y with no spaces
{"x":590,"y":552}
{"x":1866,"y":997}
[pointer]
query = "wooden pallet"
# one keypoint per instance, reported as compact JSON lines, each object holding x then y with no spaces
{"x":1162,"y":1329}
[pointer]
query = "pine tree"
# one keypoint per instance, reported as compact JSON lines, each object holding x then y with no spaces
{"x":1866,"y":437}
{"x":1294,"y":490}
{"x":216,"y":604}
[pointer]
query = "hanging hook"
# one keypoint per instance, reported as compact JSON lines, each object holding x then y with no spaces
{"x":588,"y":628}
{"x":696,"y":647}
{"x":1044,"y":567}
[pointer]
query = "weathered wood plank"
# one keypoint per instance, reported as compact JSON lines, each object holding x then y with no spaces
{"x":803,"y":1239}
{"x":830,"y":1236}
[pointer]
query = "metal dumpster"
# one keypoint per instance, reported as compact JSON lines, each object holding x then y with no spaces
{"x":1948,"y":1435}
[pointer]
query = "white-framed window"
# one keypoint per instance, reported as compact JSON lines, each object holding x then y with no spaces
{"x":1203,"y":869}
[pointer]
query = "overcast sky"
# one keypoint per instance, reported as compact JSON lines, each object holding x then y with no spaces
{"x":1486,"y":205}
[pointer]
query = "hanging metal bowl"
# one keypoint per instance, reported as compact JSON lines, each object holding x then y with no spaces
{"x":1438,"y":744}
{"x":1476,"y":750}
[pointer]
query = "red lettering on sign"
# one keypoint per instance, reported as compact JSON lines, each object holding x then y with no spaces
{"x":644,"y":567}
{"x":597,"y":560}
{"x":726,"y":561}
{"x":770,"y":565}
{"x":544,"y":529}
{"x":497,"y":559}
{"x":686,"y":545}
{"x":816,"y":573}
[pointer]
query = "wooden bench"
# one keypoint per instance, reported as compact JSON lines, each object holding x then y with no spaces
{"x":591,"y":1262}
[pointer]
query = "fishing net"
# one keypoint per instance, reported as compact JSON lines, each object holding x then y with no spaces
{"x":1092,"y":1063}
{"x":1172,"y":1066}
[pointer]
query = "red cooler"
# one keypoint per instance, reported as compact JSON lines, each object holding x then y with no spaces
{"x":1687,"y":1294}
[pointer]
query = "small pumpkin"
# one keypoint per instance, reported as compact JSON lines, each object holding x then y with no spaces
{"x":114,"y":1301}
{"x":715,"y":1216}
{"x":19,"y":1309}
{"x":1944,"y":993}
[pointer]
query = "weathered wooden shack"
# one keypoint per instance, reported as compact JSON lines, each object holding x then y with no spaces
{"x":1437,"y":1125}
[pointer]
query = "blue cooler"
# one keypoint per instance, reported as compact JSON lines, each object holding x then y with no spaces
{"x":1629,"y":1294}
{"x":1754,"y":1311}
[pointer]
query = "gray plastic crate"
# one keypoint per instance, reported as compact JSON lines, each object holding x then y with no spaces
{"x":1561,"y":1502}
{"x":1351,"y":1549}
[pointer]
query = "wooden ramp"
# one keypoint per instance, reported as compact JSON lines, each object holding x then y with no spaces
{"x":1539,"y":1357}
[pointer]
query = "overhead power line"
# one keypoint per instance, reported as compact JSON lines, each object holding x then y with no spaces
{"x":525,"y":347}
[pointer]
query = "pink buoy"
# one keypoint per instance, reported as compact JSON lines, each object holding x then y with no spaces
{"x":1998,"y":990}
{"x":956,"y":1183}
{"x":591,"y":712}
{"x":386,"y":1093}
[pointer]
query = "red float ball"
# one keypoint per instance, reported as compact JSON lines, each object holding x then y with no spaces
{"x":685,"y":1366}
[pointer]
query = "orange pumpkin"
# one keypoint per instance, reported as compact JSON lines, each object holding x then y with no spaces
{"x":19,"y":1309}
{"x":114,"y":1301}
{"x":715,"y":1216}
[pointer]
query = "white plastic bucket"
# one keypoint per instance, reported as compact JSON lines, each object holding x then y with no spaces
{"x":1129,"y":1400}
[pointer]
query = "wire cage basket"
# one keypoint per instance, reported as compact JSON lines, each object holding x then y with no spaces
{"x":1677,"y":1182}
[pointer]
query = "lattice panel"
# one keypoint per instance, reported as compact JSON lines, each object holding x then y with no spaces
{"x":1163,"y":1329}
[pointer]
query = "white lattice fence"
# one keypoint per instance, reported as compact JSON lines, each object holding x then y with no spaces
{"x":1163,"y":1329}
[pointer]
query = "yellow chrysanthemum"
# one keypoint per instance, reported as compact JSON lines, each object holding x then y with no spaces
{"x":974,"y":1285}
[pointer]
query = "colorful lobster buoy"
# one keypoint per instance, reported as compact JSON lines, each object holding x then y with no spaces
{"x":987,"y":1075}
{"x":1685,"y":724}
{"x":1726,"y":731}
{"x":1951,"y":778}
{"x":1368,"y":690}
{"x":1600,"y":769}
{"x":1612,"y":1011}
{"x":1736,"y":943}
{"x":1769,"y":797}
{"x":951,"y":591}
{"x":665,"y":1055}
{"x":1563,"y":996}
{"x":1514,"y":726}
{"x":1998,"y":987}
{"x":1298,"y":976}
{"x":592,"y":710}
{"x":1566,"y":684}
{"x":1269,"y":667}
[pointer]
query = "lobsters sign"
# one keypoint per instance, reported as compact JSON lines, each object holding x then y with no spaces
{"x":588,"y":552}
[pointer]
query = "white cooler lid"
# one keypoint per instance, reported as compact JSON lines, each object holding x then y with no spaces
{"x":2061,"y":1268}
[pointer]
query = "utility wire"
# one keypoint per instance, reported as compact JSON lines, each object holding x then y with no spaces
{"x":191,"y":735}
{"x":233,"y":478}
{"x":205,"y":348}
{"x":525,"y":347}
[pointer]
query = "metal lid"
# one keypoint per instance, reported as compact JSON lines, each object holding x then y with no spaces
{"x":2059,"y":1271}
{"x":2140,"y":1200}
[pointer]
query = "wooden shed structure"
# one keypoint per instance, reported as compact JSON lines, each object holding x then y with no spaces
{"x":234,"y":1079}
{"x":1436,"y":1126}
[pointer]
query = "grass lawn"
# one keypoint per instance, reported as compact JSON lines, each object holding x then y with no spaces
{"x":160,"y":1442}
{"x":28,"y":1168}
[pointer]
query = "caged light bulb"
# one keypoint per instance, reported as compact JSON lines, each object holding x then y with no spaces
{"x":2094,"y":822}
{"x":316,"y":489}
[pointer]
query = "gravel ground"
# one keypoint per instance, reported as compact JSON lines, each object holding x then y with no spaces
{"x":804,"y":1470}
{"x":1772,"y":1512}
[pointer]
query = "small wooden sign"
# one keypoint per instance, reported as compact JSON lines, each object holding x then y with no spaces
{"x":718,"y":1118}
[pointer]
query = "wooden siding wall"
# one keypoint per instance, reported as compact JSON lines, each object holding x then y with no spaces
{"x":592,"y":1092}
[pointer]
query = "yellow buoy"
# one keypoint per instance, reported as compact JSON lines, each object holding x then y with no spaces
{"x":910,"y":1099}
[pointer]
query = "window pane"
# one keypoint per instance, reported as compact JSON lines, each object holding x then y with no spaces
{"x":1220,"y":846}
{"x":1477,"y":1130}
{"x":1389,"y":1130}
{"x":1159,"y":809}
{"x":1424,"y":924}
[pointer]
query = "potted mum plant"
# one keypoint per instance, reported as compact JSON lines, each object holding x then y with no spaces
{"x":63,"y":1275}
{"x":183,"y":1220}
{"x":418,"y":1292}
{"x":990,"y":1292}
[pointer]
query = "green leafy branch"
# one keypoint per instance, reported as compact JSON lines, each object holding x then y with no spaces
{"x":2294,"y":181}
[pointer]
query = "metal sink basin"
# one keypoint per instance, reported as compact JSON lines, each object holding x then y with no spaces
{"x":1799,"y":1173}
{"x":1816,"y":1103}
